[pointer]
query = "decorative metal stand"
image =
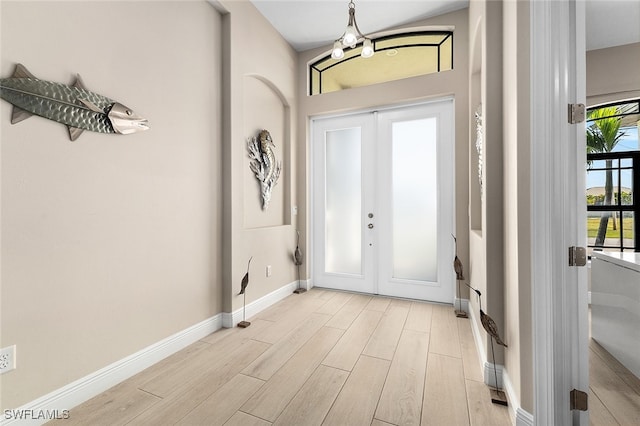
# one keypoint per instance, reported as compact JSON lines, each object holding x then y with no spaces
{"x":457,"y":267}
{"x":243,"y":286}
{"x":497,"y":396}
{"x":244,"y":323}
{"x":489,"y":325}
{"x":459,"y":312}
{"x":297,"y":260}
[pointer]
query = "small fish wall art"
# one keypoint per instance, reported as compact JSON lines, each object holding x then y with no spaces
{"x":72,"y":105}
{"x":264,"y":164}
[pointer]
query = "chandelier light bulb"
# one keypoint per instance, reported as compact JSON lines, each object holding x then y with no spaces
{"x":349,"y":38}
{"x":367,"y":48}
{"x":337,"y":52}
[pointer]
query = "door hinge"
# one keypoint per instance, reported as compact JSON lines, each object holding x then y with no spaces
{"x":578,"y":400}
{"x":577,"y":113}
{"x":577,"y":256}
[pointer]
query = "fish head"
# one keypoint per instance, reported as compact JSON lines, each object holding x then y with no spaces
{"x":125,"y":121}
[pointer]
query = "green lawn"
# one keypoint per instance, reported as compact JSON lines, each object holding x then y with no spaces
{"x":594,"y":222}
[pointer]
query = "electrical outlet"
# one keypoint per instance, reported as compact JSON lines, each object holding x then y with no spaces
{"x":7,"y":359}
{"x":268,"y":270}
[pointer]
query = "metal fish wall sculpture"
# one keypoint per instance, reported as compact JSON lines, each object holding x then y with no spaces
{"x":264,"y":164}
{"x":75,"y":106}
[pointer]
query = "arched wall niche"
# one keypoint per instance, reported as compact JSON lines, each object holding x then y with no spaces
{"x":265,"y":107}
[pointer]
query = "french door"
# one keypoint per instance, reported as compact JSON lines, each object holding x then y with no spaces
{"x":383,"y":202}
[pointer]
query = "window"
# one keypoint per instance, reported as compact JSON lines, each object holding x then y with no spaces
{"x":397,"y":56}
{"x":613,"y":177}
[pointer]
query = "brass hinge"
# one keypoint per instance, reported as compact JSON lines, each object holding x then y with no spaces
{"x":577,"y":256}
{"x":578,"y":400}
{"x":577,"y":113}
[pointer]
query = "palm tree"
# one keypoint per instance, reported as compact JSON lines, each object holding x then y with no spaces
{"x":602,"y":136}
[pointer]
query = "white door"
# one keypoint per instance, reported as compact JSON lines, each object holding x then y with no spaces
{"x":343,"y":256}
{"x":383,"y":202}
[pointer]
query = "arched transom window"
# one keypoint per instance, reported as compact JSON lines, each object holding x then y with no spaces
{"x":397,"y":56}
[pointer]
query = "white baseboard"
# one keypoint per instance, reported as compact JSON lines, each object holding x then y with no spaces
{"x":520,"y":416}
{"x":477,"y":338}
{"x":461,"y":304}
{"x":511,"y":396}
{"x":40,"y":410}
{"x":231,"y":319}
{"x":524,"y":418}
{"x":54,"y":404}
{"x":492,"y":371}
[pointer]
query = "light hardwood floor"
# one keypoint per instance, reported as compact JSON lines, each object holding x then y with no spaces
{"x":614,"y":392}
{"x":322,"y":357}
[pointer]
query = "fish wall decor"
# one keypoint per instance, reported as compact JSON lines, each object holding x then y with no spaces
{"x":264,"y":164}
{"x":72,"y":105}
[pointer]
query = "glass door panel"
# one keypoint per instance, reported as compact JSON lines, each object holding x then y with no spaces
{"x":414,"y":200}
{"x":343,"y":211}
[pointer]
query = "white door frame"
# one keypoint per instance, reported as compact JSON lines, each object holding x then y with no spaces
{"x":560,"y":327}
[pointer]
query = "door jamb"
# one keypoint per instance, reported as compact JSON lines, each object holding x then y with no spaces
{"x":557,"y":71}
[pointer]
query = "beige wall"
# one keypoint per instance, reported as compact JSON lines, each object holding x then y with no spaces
{"x":487,"y":260}
{"x":612,"y":74}
{"x":425,"y":87}
{"x":259,"y":93}
{"x":500,"y":249}
{"x":517,"y":207}
{"x":109,"y":243}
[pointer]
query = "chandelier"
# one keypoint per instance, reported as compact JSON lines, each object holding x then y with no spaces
{"x":350,"y":37}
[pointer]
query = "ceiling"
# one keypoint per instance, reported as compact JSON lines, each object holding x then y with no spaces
{"x":612,"y":23}
{"x":307,"y":24}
